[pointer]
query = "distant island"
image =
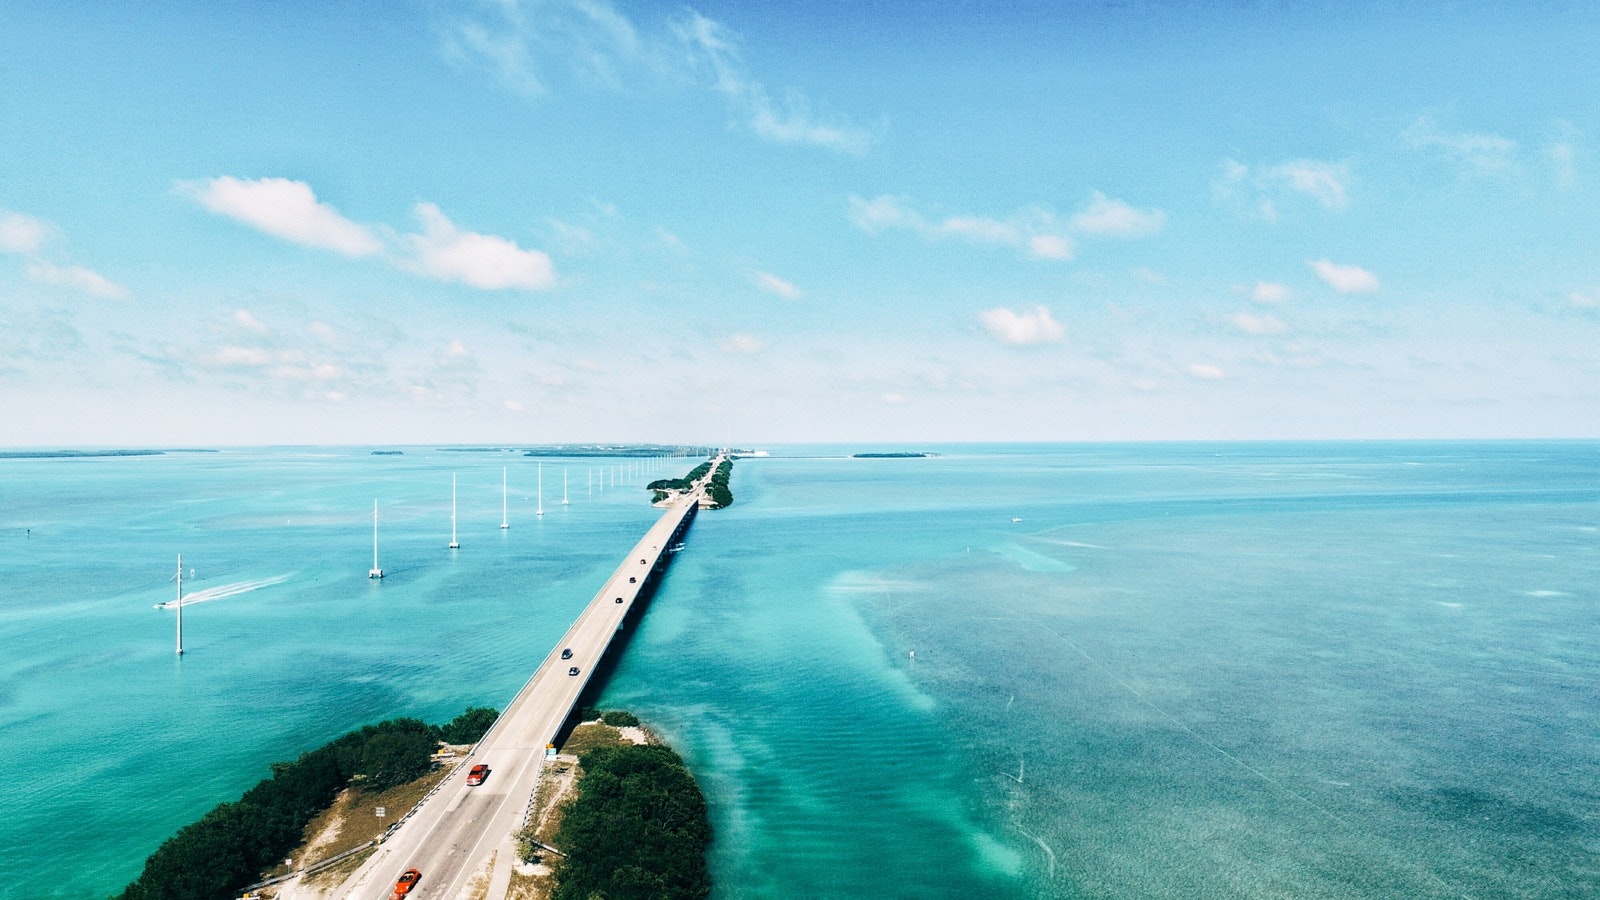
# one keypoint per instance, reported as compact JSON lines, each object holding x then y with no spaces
{"x":76,"y":454}
{"x":388,"y":453}
{"x":889,"y":455}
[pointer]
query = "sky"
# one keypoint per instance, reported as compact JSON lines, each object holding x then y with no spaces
{"x":528,"y":221}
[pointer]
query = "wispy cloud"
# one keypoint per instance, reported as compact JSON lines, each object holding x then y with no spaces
{"x":1205,"y":372}
{"x":77,"y":278}
{"x":285,"y":209}
{"x":1035,"y":230}
{"x":1269,"y":292}
{"x":1250,"y":323}
{"x":291,"y":211}
{"x":742,"y":343}
{"x":1260,"y":191}
{"x":1478,"y":154}
{"x":772,"y":284}
{"x":26,"y":236}
{"x":1023,"y":329}
{"x":1345,"y":279}
{"x":1563,"y":157}
{"x":527,"y":43}
{"x":20,"y":233}
{"x":1584,"y":301}
{"x":1107,"y":217}
{"x":485,"y":261}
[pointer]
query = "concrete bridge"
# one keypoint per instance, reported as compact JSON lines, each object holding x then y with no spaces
{"x":449,"y":837}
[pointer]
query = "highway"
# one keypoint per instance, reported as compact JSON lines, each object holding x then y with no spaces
{"x":450,"y":837}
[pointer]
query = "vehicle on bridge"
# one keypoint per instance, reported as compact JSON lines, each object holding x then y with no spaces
{"x":619,"y":599}
{"x":573,"y":670}
{"x":477,"y":775}
{"x":566,"y":653}
{"x":407,"y":881}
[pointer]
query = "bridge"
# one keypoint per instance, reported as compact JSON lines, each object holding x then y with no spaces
{"x":449,"y":837}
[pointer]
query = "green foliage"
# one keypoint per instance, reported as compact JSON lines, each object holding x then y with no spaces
{"x":470,"y":726}
{"x":637,"y":830}
{"x":718,"y":489}
{"x":619,"y":718}
{"x":232,"y":844}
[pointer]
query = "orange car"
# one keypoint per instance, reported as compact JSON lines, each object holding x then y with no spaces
{"x":477,"y":775}
{"x":406,"y":883}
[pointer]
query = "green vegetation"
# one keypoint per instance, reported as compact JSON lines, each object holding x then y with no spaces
{"x":887,"y":455}
{"x":74,"y":454}
{"x":720,"y":495}
{"x":232,"y":844}
{"x":638,"y":829}
{"x":619,"y":718}
{"x":680,"y":484}
{"x":470,"y":726}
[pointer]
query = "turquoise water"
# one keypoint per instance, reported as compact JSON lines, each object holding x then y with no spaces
{"x":1298,"y":670}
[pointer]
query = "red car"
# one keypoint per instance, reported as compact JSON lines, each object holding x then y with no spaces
{"x":406,"y":883}
{"x":478,"y":774}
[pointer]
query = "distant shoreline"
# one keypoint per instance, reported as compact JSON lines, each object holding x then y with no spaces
{"x":90,"y":454}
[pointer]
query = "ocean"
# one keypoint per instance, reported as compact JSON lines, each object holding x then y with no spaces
{"x":1359,"y":669}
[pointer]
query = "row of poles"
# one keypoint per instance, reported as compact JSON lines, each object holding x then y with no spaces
{"x":621,"y":473}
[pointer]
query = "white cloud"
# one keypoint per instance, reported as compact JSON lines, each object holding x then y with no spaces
{"x":77,"y":278}
{"x":248,"y":322}
{"x":894,"y":398}
{"x":1325,"y":182}
{"x":20,"y":233}
{"x":285,"y":209}
{"x":1345,"y":279}
{"x":1050,"y":246}
{"x":1205,"y":371}
{"x":1473,"y":154}
{"x":457,"y":350}
{"x":1149,"y":276}
{"x":1107,"y":217}
{"x":1034,"y":230}
{"x":1564,"y":160}
{"x":1258,"y":192}
{"x":512,"y":406}
{"x":1584,"y":301}
{"x":1023,"y":329}
{"x":484,"y":261}
{"x":1269,"y":292}
{"x":772,"y":284}
{"x":1258,"y":325}
{"x":231,"y":356}
{"x":595,"y":41}
{"x":740,"y":342}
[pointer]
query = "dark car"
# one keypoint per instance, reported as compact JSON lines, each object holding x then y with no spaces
{"x":406,"y":883}
{"x":573,"y":670}
{"x":632,"y":580}
{"x":478,"y":774}
{"x":567,"y":653}
{"x":619,"y":599}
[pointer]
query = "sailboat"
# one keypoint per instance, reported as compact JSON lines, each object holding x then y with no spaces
{"x":179,"y":604}
{"x":376,"y":572}
{"x":564,"y":500}
{"x":454,"y":544}
{"x":504,"y":523}
{"x":539,"y":511}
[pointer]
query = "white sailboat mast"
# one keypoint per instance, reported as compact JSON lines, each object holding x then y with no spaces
{"x":180,"y":604}
{"x":564,"y":500}
{"x":375,"y":572}
{"x":454,"y":544}
{"x":540,"y":510}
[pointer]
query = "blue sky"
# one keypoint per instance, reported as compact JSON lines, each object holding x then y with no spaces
{"x":550,"y":221}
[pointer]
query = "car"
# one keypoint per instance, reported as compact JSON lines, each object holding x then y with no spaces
{"x":406,"y":883}
{"x":619,"y":599}
{"x":641,"y":562}
{"x":573,"y":670}
{"x":566,"y":653}
{"x":632,"y":580}
{"x":478,"y":774}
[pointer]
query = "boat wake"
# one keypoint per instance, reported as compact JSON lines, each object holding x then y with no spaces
{"x":225,"y":590}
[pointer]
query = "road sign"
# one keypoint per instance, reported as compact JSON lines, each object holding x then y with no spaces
{"x":381,"y":812}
